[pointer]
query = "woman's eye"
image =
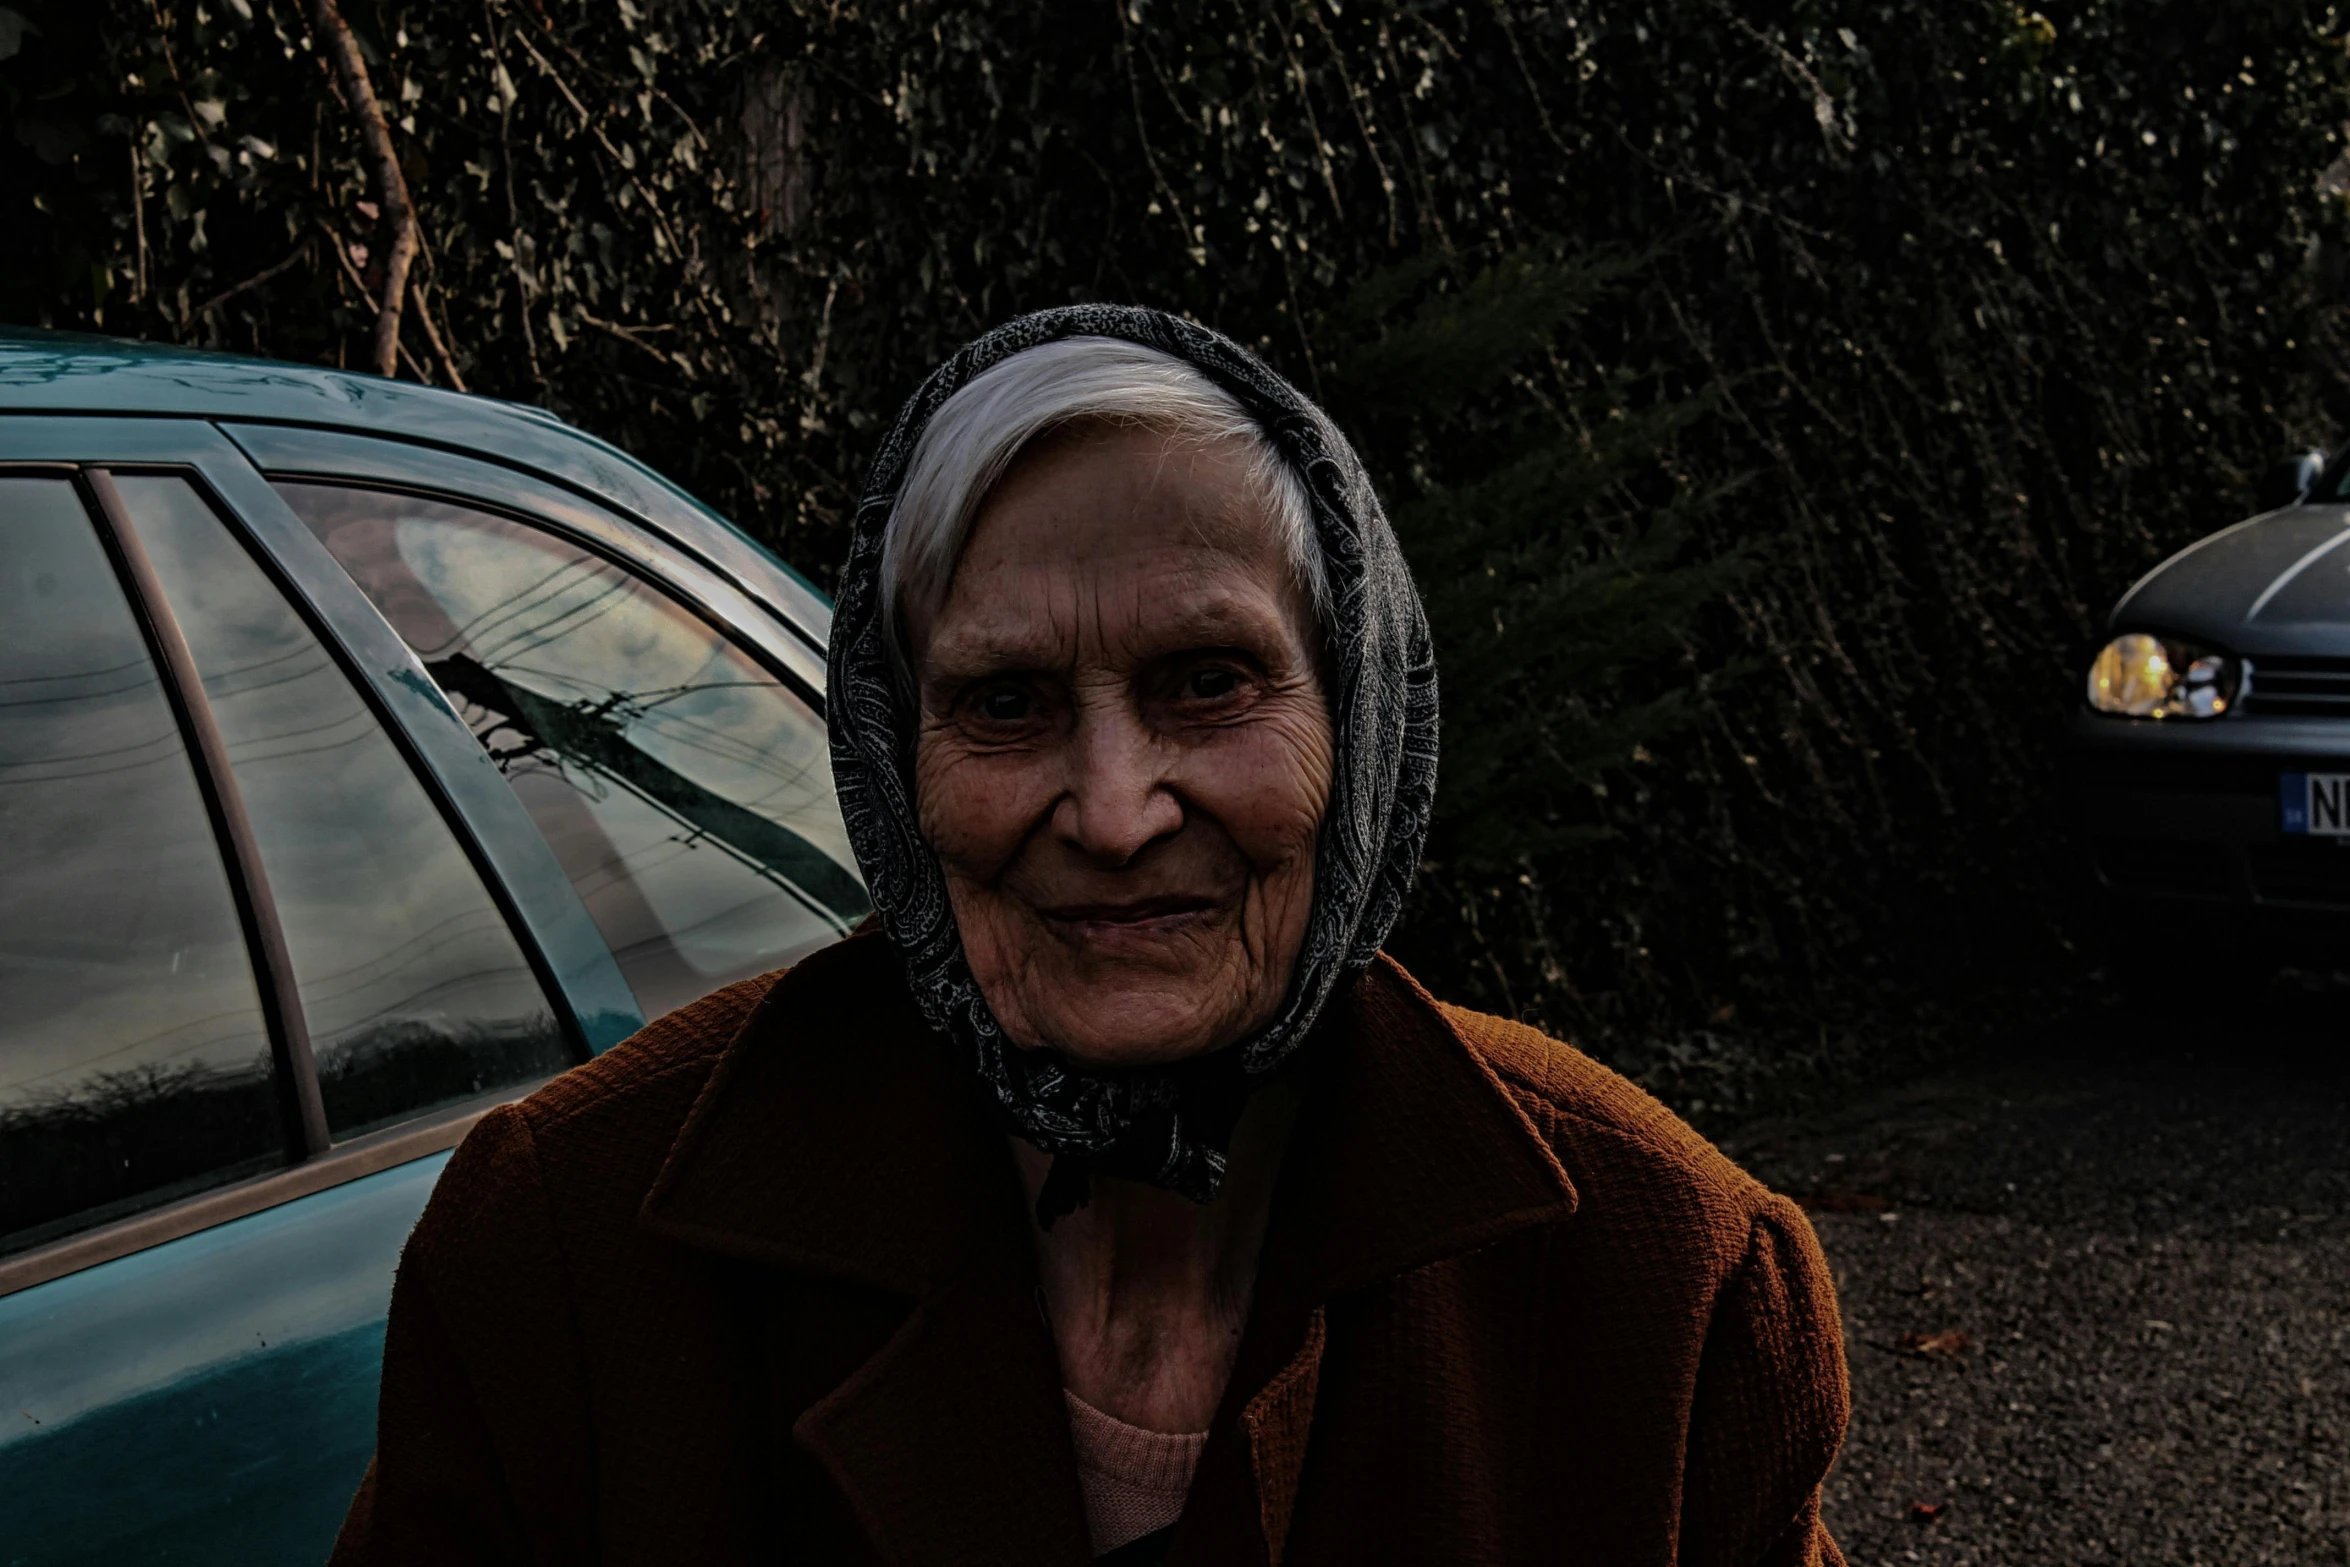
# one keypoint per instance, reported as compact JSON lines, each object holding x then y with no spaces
{"x":1206,"y":685}
{"x":1003,"y":705}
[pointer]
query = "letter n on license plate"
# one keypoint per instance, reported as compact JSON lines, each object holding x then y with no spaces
{"x":2317,"y":804}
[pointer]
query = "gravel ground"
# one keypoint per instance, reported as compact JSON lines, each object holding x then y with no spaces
{"x":2096,"y":1297}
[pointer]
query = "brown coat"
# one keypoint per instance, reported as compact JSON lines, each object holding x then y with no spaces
{"x":758,"y":1286}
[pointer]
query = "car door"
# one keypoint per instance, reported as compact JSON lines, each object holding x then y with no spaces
{"x":475,"y":793}
{"x":254,"y":974}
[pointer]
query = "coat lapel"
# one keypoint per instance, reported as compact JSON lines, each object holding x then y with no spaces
{"x":836,"y":1137}
{"x":1277,"y":1421}
{"x":837,"y":1141}
{"x":952,"y":1444}
{"x":1408,"y":1150}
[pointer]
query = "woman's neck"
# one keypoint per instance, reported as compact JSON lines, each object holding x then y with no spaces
{"x":1147,"y":1292}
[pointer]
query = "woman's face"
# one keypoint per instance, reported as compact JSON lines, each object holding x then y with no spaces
{"x":1124,"y":753}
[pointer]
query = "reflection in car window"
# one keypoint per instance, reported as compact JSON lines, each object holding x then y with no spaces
{"x":411,"y":982}
{"x":134,"y":1058}
{"x":686,"y":791}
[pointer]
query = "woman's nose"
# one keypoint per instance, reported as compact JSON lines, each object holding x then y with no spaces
{"x":1117,"y":802}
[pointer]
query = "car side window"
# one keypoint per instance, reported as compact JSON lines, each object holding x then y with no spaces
{"x":413,"y":988}
{"x":685,"y":789}
{"x":135,"y":1061}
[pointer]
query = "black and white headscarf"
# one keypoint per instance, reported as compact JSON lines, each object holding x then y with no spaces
{"x":1167,"y":1125}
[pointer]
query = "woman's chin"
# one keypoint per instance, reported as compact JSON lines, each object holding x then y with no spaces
{"x":1127,"y":1027}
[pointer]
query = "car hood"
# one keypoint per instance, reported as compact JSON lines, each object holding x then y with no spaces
{"x":2276,"y":583}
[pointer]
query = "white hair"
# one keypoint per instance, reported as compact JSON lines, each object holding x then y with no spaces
{"x":979,"y":432}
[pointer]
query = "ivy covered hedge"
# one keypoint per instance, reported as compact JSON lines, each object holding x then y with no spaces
{"x":1873,"y":346}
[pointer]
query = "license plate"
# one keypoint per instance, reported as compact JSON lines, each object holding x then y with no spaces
{"x":2316,"y":804}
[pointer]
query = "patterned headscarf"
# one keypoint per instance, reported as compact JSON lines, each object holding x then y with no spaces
{"x":1166,"y":1125}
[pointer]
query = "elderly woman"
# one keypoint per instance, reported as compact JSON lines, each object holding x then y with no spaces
{"x":1111,"y":1196}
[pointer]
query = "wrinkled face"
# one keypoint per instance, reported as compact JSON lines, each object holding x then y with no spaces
{"x":1124,"y":753}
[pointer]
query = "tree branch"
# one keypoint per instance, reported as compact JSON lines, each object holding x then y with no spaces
{"x":350,"y":267}
{"x":629,"y":336}
{"x":253,"y":282}
{"x":391,"y":186}
{"x":139,"y":214}
{"x":432,"y":335}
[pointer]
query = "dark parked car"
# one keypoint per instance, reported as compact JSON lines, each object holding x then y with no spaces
{"x":2212,"y":754}
{"x":368,"y":754}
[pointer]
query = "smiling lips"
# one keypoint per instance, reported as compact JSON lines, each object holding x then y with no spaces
{"x":1143,"y":918}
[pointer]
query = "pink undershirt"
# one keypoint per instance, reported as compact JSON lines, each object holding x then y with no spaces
{"x":1134,"y":1480}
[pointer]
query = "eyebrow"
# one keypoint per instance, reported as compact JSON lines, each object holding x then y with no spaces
{"x":1221,"y":620}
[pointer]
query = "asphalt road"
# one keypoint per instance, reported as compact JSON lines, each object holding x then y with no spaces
{"x":2096,"y":1295}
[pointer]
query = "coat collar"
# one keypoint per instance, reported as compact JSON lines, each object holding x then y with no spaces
{"x":840,"y":1138}
{"x":1409,"y":1148}
{"x":837,"y":1136}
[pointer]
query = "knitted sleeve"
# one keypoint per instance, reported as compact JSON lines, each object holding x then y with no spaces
{"x":1769,"y":1408}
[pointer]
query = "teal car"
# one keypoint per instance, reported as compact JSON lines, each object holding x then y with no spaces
{"x":368,"y":755}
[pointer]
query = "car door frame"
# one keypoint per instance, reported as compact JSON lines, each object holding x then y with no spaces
{"x":746,"y":596}
{"x":574,"y":967}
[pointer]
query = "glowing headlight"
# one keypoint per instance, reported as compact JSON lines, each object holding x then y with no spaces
{"x":2140,"y":676}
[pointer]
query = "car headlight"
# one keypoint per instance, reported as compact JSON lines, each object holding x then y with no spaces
{"x":2142,"y":676}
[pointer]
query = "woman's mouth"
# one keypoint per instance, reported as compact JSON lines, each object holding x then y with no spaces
{"x":1136,"y":919}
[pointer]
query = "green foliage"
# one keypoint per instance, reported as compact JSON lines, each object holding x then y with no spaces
{"x":1940,"y":320}
{"x":1551,"y":535}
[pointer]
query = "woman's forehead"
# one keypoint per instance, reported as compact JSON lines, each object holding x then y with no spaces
{"x":1096,"y":486}
{"x":1132,"y":603}
{"x":1118,"y":535}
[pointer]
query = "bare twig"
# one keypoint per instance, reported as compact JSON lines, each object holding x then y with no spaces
{"x":391,"y":186}
{"x":350,"y":267}
{"x":139,"y":215}
{"x":815,"y":375}
{"x":1431,"y":214}
{"x":255,"y":281}
{"x":432,"y":335}
{"x":1305,"y":98}
{"x":522,"y":279}
{"x":1509,"y":31}
{"x":1142,"y":134}
{"x":171,"y":64}
{"x":629,"y":336}
{"x":1823,"y":102}
{"x":1297,"y":317}
{"x":1356,"y":99}
{"x":1736,"y":201}
{"x":666,"y":235}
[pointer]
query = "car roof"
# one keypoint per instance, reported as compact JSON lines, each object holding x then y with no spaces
{"x":48,"y":372}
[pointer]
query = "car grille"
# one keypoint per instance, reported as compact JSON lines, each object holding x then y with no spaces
{"x":2300,"y":687}
{"x":2316,"y":873}
{"x":2165,"y":867}
{"x":2144,"y":772}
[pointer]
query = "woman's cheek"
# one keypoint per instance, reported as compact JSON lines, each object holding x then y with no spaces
{"x":972,"y":808}
{"x":1273,"y":785}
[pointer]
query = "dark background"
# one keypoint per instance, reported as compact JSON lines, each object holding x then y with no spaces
{"x":1773,"y":396}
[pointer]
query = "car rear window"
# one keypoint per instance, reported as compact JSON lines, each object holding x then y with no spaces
{"x":413,"y":987}
{"x":685,"y":789}
{"x":135,"y":1062}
